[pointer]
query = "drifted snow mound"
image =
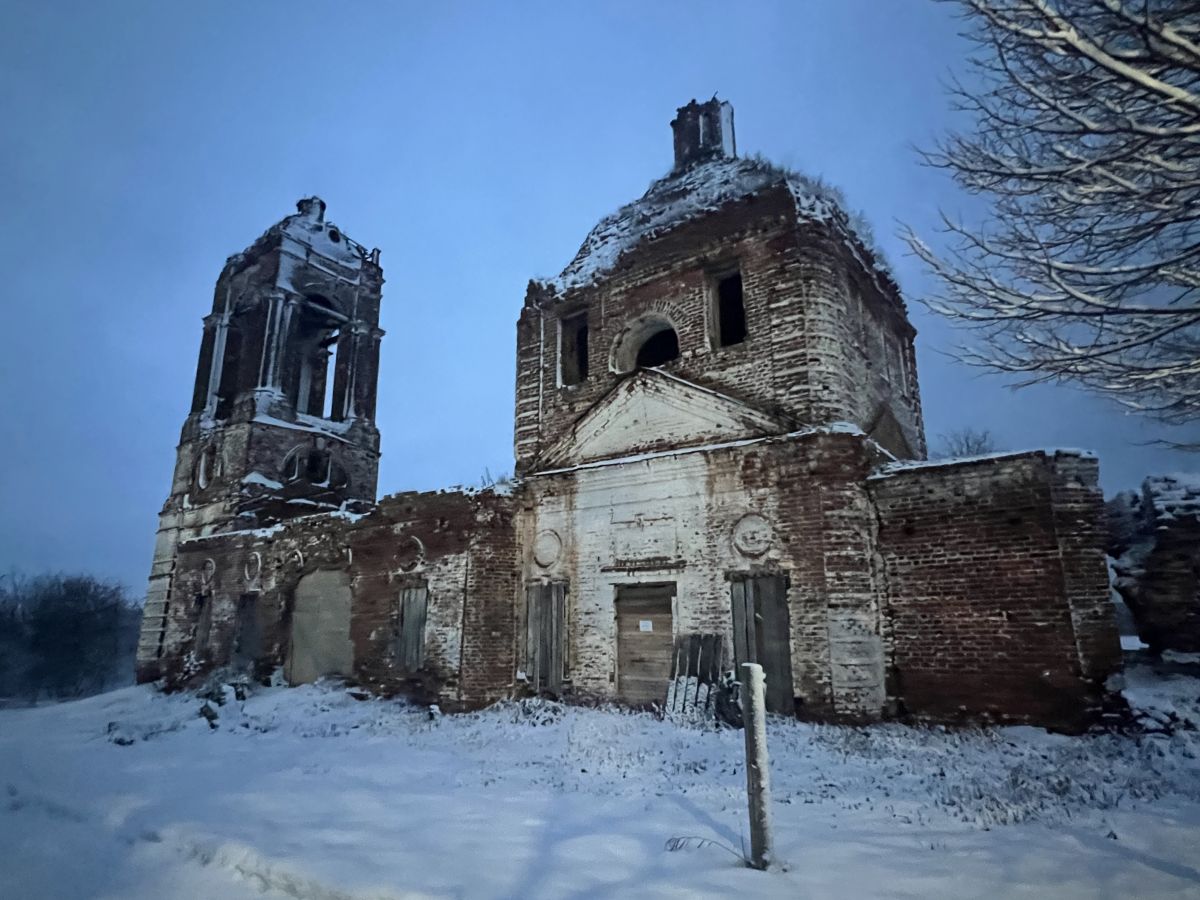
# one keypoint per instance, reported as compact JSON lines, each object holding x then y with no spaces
{"x":701,"y":189}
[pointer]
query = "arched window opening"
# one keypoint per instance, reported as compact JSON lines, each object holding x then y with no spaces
{"x":648,"y":341}
{"x":659,"y":348}
{"x":314,"y":359}
{"x":232,"y":380}
{"x":315,"y":466}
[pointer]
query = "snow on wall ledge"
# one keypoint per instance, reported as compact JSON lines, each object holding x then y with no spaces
{"x":700,"y":189}
{"x":1174,"y":496}
{"x":888,"y":470}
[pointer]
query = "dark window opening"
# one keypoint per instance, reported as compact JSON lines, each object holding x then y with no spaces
{"x":312,"y":378}
{"x":661,"y":347}
{"x":229,"y":384}
{"x":731,"y":311}
{"x":204,"y":370}
{"x":315,"y":466}
{"x":573,"y":349}
{"x":317,"y":369}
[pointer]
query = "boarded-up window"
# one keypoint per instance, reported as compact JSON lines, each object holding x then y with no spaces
{"x":247,"y":646}
{"x":762,"y":634}
{"x":203,"y":624}
{"x":546,"y":636}
{"x":409,"y":642}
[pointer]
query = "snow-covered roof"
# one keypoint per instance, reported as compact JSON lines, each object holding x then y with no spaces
{"x":325,"y":239}
{"x":1175,"y":496}
{"x":693,"y":192}
{"x":317,"y":240}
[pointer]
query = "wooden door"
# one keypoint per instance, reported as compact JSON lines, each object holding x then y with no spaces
{"x":408,"y":639}
{"x":546,"y":636}
{"x":644,"y":642}
{"x":762,"y":634}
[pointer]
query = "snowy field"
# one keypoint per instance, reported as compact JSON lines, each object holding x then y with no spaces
{"x":311,"y":793}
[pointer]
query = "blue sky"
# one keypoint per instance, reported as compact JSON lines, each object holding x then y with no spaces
{"x":476,"y":144}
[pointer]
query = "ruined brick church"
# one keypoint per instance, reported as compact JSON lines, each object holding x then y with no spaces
{"x":718,"y":443}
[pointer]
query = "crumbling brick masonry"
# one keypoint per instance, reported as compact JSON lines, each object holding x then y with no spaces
{"x":717,"y":437}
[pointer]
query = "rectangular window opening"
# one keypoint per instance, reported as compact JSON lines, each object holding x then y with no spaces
{"x":573,"y":349}
{"x":731,"y":310}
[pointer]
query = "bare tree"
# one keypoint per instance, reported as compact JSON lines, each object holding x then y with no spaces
{"x":64,"y":636}
{"x":1087,"y":147}
{"x":966,"y":442}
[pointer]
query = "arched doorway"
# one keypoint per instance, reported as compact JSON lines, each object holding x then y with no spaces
{"x":320,"y":643}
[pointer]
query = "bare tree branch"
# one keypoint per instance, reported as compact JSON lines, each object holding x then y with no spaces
{"x":1087,"y":148}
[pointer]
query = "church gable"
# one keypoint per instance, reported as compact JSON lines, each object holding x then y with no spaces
{"x":652,"y":410}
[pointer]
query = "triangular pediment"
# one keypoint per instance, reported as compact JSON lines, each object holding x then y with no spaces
{"x":650,"y":411}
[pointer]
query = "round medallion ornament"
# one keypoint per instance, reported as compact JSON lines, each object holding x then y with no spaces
{"x":409,"y":555}
{"x":547,"y":548}
{"x":752,"y":535}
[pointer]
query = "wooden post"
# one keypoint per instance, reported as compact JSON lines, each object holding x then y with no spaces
{"x":758,"y":775}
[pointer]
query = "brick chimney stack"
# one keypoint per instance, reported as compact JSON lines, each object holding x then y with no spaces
{"x":703,"y":131}
{"x":312,"y":208}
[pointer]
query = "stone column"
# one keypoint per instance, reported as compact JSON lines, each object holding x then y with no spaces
{"x":220,"y":324}
{"x":279,"y":321}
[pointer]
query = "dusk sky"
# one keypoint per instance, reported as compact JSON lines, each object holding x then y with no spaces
{"x":475,"y":144}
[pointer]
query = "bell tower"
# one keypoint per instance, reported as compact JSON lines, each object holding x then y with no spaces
{"x":282,"y":419}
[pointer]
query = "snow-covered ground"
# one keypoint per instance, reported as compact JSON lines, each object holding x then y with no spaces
{"x":311,"y":793}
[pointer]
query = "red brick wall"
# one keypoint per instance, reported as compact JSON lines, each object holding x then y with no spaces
{"x":996,"y":589}
{"x":468,"y":562}
{"x":807,"y":356}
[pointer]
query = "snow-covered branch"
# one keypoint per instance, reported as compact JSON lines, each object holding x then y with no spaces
{"x":1087,"y":146}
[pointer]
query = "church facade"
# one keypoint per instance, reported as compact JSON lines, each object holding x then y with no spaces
{"x":719,"y":450}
